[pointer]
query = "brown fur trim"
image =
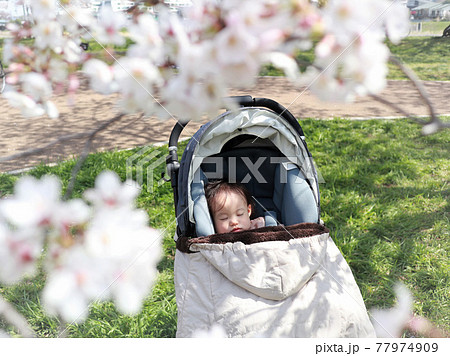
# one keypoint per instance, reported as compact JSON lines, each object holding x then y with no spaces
{"x":268,"y":233}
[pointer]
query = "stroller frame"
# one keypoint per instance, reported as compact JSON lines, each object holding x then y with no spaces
{"x":288,"y":280}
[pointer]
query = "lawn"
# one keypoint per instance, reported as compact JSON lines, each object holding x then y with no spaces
{"x":430,"y":27}
{"x":428,"y":57}
{"x":385,"y":200}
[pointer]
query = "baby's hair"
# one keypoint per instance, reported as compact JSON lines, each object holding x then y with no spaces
{"x":218,"y":186}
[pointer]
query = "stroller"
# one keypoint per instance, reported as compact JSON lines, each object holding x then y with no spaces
{"x":287,"y":279}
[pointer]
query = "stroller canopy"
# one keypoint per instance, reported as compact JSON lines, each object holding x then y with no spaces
{"x":263,"y":140}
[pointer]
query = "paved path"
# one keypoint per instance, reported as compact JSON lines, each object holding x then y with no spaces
{"x":18,"y":134}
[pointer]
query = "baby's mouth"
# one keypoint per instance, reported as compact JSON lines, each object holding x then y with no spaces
{"x":236,"y":229}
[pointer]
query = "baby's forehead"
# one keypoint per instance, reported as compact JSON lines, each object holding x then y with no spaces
{"x":223,"y":194}
{"x":223,"y":197}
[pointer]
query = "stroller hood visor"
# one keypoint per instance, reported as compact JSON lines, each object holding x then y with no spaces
{"x":257,"y":122}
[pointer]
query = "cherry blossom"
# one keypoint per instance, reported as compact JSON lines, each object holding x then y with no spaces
{"x":73,"y":284}
{"x":48,"y":34}
{"x":27,"y":106}
{"x":19,"y":251}
{"x":392,"y":322}
{"x":44,"y":9}
{"x":101,"y":76}
{"x":75,"y":20}
{"x":93,"y":253}
{"x":129,"y":250}
{"x":51,"y":110}
{"x":110,"y":193}
{"x":284,"y":62}
{"x":58,"y":70}
{"x":395,"y":321}
{"x":107,"y":233}
{"x":115,"y":260}
{"x":69,"y":214}
{"x":396,"y":22}
{"x":181,"y":89}
{"x":351,"y":57}
{"x":71,"y":51}
{"x":110,"y":23}
{"x":236,"y":52}
{"x":174,"y":34}
{"x":36,"y":86}
{"x":33,"y":203}
{"x":137,"y":79}
{"x":106,"y":250}
{"x":194,"y":60}
{"x":149,"y":43}
{"x":34,"y":101}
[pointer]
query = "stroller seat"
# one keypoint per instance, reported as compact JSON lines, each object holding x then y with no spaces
{"x":280,"y":191}
{"x":260,"y":145}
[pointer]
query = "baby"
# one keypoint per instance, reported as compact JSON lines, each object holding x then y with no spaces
{"x":230,"y":205}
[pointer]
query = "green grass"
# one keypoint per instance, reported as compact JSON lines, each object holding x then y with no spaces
{"x":428,"y":57}
{"x":385,"y":200}
{"x":158,"y":316}
{"x":433,"y":27}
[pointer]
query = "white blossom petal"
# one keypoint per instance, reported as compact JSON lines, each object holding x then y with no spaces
{"x":392,"y":322}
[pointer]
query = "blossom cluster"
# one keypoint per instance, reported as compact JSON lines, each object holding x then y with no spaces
{"x":351,"y":57}
{"x":189,"y":62}
{"x":97,"y":250}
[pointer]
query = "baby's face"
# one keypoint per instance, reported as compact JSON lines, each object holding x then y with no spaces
{"x":234,"y":214}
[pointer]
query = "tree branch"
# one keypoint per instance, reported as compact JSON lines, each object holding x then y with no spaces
{"x":435,"y":123}
{"x":87,"y":148}
{"x":417,"y":83}
{"x":86,"y":151}
{"x":62,"y":139}
{"x":429,"y":127}
{"x":398,"y":108}
{"x":38,"y":150}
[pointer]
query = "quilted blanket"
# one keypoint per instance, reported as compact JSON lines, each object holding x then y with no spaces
{"x":282,"y":281}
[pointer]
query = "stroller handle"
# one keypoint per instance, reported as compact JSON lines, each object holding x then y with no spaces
{"x":243,"y":101}
{"x":277,"y":108}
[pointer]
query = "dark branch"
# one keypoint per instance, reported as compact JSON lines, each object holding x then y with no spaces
{"x":85,"y":153}
{"x":417,"y":83}
{"x":398,"y":108}
{"x":435,"y":123}
{"x":62,"y":139}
